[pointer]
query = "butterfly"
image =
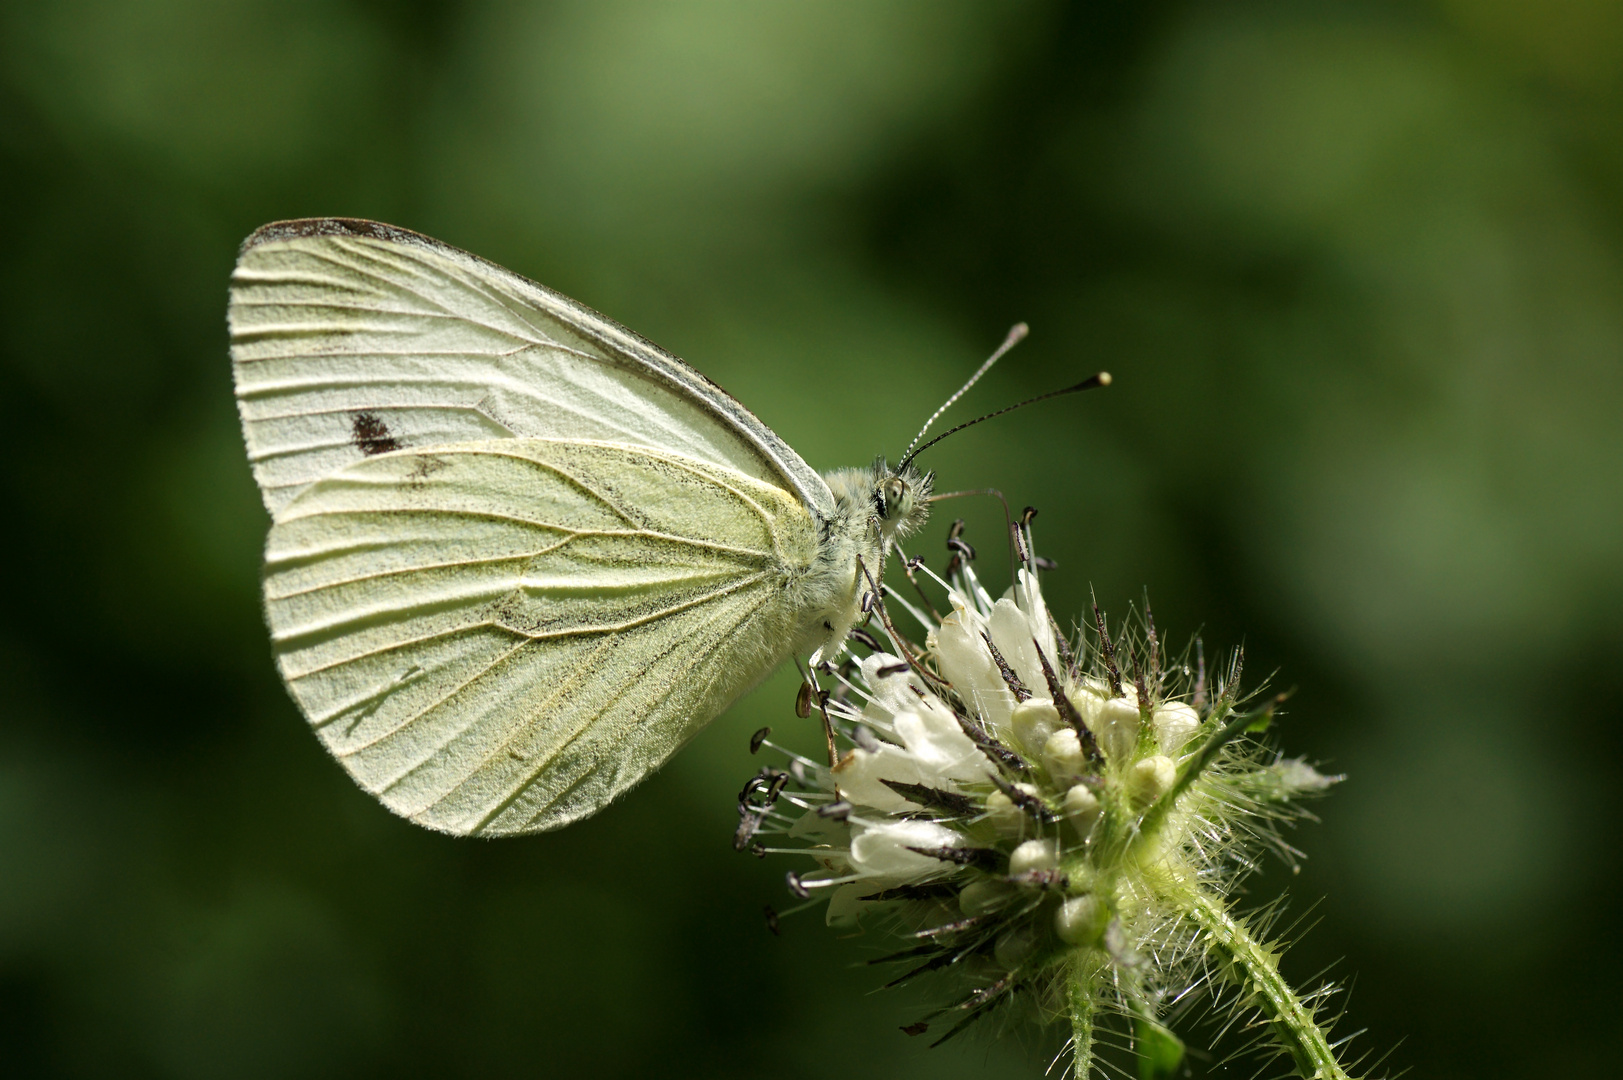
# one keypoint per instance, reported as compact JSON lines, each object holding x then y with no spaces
{"x":519,"y":555}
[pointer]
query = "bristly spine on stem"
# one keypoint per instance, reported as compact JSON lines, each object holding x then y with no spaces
{"x":1058,"y":825}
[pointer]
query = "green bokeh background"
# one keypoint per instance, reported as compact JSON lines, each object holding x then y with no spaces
{"x":1357,"y":269}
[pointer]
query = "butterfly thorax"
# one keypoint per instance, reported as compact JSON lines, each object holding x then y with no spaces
{"x":873,"y":508}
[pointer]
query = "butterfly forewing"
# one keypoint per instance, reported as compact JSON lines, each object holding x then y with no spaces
{"x":501,"y":636}
{"x":351,"y":338}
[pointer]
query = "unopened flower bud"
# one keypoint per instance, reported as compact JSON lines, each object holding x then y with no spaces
{"x":1034,"y":855}
{"x":983,"y":895}
{"x":1062,"y":754}
{"x":1081,"y":920}
{"x":1116,"y":728}
{"x":1033,"y":721}
{"x":1082,"y":808}
{"x":1007,"y":818}
{"x":1152,"y":777}
{"x":1175,"y":722}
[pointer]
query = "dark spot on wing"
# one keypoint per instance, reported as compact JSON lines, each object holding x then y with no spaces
{"x":371,"y":435}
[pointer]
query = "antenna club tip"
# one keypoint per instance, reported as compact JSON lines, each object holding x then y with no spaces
{"x":1017,"y":332}
{"x":1103,"y":377}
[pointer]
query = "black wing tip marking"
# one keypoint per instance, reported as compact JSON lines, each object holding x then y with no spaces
{"x":298,"y":228}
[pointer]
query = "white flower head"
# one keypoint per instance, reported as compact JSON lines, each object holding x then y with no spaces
{"x":1048,"y":816}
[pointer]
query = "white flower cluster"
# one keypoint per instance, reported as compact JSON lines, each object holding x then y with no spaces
{"x":1018,"y":815}
{"x":1039,"y":793}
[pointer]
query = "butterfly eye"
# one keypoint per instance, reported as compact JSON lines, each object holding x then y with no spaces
{"x":892,"y":493}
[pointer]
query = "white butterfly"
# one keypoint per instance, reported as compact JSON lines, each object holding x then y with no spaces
{"x":519,"y":555}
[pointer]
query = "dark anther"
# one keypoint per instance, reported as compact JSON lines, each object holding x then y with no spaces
{"x":1028,"y":515}
{"x":867,"y":602}
{"x":803,"y":700}
{"x":758,"y":849}
{"x":961,"y":547}
{"x":955,"y":563}
{"x":1067,"y":711}
{"x":1016,"y":687}
{"x":866,"y":640}
{"x":986,"y":858}
{"x":792,"y":879}
{"x":771,"y":919}
{"x":1110,"y":653}
{"x":752,"y":786}
{"x":760,"y":736}
{"x":915,"y":1029}
{"x":1044,"y":563}
{"x":933,"y":798}
{"x":916,"y":563}
{"x":762,"y":789}
{"x":836,"y":811}
{"x":1019,"y":536}
{"x":891,"y":669}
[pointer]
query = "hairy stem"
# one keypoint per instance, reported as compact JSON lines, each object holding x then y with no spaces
{"x":1294,"y":1024}
{"x":1080,"y":985}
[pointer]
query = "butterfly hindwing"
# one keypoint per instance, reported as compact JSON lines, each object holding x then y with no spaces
{"x":500,"y":636}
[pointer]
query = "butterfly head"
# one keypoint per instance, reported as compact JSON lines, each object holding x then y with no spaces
{"x":901,"y":499}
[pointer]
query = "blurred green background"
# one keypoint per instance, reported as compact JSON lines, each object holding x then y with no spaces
{"x":1358,"y":270}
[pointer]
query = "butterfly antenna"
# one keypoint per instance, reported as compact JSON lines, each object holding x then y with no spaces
{"x":1089,"y":383}
{"x":1017,"y":333}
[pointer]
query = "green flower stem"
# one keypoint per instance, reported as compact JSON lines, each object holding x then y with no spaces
{"x":1081,"y":990}
{"x":1294,"y":1024}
